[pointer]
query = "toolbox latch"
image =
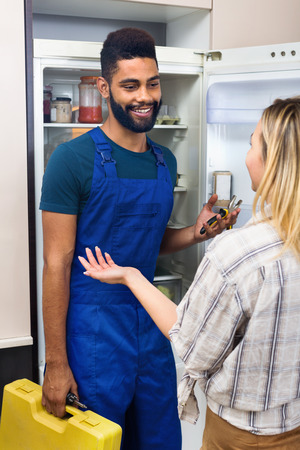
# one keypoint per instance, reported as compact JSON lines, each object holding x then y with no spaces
{"x":26,"y":388}
{"x":93,"y":421}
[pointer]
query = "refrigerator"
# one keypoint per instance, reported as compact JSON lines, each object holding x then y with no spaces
{"x":217,"y":98}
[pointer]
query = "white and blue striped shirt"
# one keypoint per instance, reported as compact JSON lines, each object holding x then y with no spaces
{"x":238,"y":332}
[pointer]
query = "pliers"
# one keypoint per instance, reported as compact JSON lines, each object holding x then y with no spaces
{"x":72,"y":399}
{"x":224,"y":212}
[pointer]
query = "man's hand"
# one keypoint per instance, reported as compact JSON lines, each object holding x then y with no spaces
{"x":58,"y":382}
{"x":175,"y":240}
{"x":218,"y":227}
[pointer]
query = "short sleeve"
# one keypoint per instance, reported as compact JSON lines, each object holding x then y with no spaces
{"x":62,"y":186}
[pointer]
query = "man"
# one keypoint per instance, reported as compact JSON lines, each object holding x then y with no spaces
{"x":113,"y":188}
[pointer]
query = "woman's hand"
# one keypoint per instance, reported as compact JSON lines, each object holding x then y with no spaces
{"x":103,"y":268}
{"x":161,"y":309}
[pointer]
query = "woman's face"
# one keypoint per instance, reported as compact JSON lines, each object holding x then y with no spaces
{"x":254,"y":159}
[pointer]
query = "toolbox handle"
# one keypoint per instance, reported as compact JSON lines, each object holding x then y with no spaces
{"x":71,"y":410}
{"x":57,"y":423}
{"x":72,"y":414}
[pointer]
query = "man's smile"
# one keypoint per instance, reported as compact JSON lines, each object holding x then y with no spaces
{"x":141,"y":111}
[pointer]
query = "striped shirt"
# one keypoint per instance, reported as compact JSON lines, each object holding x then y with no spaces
{"x":238,"y":332}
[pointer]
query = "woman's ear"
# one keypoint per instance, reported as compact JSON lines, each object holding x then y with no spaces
{"x":103,"y":87}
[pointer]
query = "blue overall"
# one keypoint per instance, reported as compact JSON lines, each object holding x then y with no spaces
{"x":123,"y":364}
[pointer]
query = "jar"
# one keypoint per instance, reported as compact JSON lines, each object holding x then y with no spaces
{"x":90,"y":104}
{"x":47,"y":103}
{"x":61,"y":110}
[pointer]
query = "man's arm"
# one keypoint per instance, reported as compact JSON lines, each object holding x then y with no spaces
{"x":59,"y":231}
{"x":178,"y":239}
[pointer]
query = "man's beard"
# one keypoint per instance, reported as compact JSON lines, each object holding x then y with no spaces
{"x":125,"y":119}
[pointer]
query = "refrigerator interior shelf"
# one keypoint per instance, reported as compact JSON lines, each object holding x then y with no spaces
{"x":172,"y":127}
{"x":91,"y":125}
{"x":71,"y":125}
{"x":180,"y":189}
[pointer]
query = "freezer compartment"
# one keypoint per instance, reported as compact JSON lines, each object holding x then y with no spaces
{"x":244,"y":101}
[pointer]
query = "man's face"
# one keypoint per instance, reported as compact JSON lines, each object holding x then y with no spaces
{"x":135,"y":94}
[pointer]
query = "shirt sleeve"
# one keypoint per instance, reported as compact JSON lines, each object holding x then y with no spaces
{"x":203,"y":336}
{"x":61,"y":188}
{"x":172,"y":164}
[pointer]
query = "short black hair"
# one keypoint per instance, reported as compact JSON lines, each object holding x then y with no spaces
{"x":126,"y":43}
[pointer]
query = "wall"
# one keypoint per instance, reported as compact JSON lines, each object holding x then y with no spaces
{"x":15,"y":333}
{"x":242,"y":23}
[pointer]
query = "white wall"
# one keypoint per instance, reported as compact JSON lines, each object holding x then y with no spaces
{"x":242,"y":23}
{"x":14,"y":259}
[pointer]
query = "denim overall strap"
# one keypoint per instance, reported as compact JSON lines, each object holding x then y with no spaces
{"x":162,"y":168}
{"x":104,"y":151}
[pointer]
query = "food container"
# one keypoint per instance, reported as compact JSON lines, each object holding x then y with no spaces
{"x":222,"y":186}
{"x":167,"y":116}
{"x":61,"y":110}
{"x":90,"y":105}
{"x":169,"y":283}
{"x":47,"y":103}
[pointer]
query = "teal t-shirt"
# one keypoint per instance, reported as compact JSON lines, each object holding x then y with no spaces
{"x":68,"y":177}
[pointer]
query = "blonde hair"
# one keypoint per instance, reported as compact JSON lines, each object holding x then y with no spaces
{"x":280,"y":184}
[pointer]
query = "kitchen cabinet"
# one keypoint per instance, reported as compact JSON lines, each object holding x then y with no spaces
{"x":205,"y":24}
{"x":171,"y":23}
{"x":199,"y":4}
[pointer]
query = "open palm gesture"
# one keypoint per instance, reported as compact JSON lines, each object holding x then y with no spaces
{"x":102,"y":268}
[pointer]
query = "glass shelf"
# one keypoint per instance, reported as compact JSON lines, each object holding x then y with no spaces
{"x":91,"y":125}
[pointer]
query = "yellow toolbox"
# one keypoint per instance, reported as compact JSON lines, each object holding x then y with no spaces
{"x":26,"y":425}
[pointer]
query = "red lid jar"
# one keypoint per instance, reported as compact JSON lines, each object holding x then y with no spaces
{"x":90,"y":105}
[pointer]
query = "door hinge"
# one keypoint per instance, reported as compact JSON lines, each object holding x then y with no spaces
{"x":210,"y":56}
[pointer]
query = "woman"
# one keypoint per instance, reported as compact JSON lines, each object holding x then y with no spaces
{"x":238,"y":327}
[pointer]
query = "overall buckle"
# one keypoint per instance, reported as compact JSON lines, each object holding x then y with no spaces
{"x":106,"y":157}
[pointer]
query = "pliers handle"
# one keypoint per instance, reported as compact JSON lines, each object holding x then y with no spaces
{"x":223,"y":213}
